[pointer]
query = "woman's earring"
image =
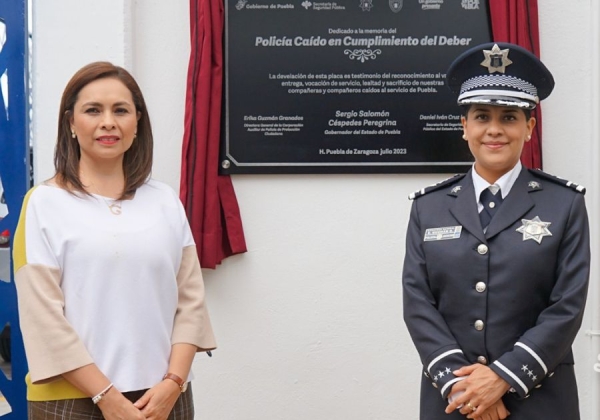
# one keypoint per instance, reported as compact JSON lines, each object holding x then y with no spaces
{"x":73,"y":134}
{"x":134,"y":136}
{"x":464,"y":136}
{"x":529,"y":137}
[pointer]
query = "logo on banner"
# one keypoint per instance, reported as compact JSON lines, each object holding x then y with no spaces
{"x":240,"y":4}
{"x":322,"y":5}
{"x":431,"y":4}
{"x":470,"y":4}
{"x":366,"y":5}
{"x":395,"y":5}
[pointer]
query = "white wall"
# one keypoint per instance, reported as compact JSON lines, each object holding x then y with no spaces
{"x":570,"y":150}
{"x":309,"y":321}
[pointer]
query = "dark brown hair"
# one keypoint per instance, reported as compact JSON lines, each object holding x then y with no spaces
{"x":137,"y":161}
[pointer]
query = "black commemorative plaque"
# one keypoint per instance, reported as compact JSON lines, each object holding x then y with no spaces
{"x":345,"y":87}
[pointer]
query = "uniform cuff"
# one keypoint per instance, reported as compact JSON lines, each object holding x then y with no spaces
{"x":440,"y":369}
{"x":523,"y":368}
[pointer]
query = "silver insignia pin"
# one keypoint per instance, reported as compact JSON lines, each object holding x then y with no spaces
{"x":496,"y":60}
{"x":456,"y":189}
{"x":534,"y":185}
{"x":534,"y":229}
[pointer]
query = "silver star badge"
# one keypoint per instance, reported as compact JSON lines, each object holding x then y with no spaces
{"x":534,"y":229}
{"x":456,"y":189}
{"x":534,"y":185}
{"x":496,"y":60}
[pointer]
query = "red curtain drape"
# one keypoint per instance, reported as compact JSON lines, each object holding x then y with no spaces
{"x":208,"y":197}
{"x":516,"y":21}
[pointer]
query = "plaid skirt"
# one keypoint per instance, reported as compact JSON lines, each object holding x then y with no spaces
{"x":85,"y":409}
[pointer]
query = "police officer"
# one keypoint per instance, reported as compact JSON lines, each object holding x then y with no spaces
{"x":497,"y":260}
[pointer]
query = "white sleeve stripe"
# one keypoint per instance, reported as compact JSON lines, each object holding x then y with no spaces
{"x":512,"y":375}
{"x":441,"y":356}
{"x":533,"y":354}
{"x":451,"y":382}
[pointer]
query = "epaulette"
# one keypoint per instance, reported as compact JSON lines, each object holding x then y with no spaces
{"x":436,"y":187}
{"x":558,"y":180}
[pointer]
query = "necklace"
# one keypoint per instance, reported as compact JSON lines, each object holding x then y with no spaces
{"x":114,"y":207}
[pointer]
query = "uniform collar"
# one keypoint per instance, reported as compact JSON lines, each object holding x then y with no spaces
{"x":505,"y":182}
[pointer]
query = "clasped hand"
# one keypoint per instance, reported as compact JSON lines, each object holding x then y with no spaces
{"x":155,"y":404}
{"x":482,"y":391}
{"x":158,"y":401}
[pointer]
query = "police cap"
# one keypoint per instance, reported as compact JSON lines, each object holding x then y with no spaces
{"x":499,"y":74}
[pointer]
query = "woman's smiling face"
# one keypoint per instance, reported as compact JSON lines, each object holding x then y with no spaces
{"x":104,"y":120}
{"x":496,"y":136}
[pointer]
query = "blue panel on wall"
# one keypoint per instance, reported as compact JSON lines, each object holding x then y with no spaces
{"x":15,"y":178}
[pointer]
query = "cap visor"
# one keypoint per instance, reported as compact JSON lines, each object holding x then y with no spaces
{"x":497,"y":101}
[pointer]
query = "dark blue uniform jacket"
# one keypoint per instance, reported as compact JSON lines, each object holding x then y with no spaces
{"x":511,"y":298}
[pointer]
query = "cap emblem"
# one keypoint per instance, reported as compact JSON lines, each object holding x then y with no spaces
{"x":496,"y":60}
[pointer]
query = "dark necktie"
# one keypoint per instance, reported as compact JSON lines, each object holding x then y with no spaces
{"x":490,"y":204}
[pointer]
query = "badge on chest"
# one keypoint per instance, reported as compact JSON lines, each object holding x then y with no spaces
{"x":534,"y":229}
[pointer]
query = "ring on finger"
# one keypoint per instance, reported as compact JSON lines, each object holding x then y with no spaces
{"x":473,"y":408}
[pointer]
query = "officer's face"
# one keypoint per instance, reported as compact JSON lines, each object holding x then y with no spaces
{"x":496,"y":136}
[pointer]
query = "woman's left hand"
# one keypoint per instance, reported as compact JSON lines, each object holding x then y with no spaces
{"x":158,"y":401}
{"x":496,"y":412}
{"x":482,"y":388}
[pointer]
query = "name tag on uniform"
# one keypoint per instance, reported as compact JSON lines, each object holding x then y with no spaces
{"x":442,"y":233}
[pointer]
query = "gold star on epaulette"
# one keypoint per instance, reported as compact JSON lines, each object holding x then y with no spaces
{"x":496,"y":60}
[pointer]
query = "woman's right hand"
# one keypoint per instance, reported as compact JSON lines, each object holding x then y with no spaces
{"x":482,"y":389}
{"x":115,"y":406}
